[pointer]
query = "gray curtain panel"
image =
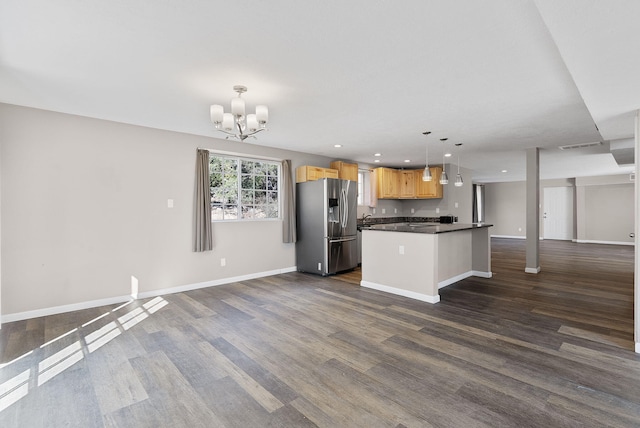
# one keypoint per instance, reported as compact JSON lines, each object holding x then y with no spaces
{"x":289,"y":204}
{"x":203,"y":234}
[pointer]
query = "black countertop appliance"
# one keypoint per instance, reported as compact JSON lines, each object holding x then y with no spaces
{"x":448,"y":219}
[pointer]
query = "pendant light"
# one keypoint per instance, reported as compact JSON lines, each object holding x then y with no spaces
{"x":458,"y":182}
{"x":444,"y":179}
{"x":426,"y":175}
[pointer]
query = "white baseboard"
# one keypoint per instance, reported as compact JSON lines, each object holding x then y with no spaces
{"x":462,"y":276}
{"x":532,"y":270}
{"x":590,"y":241}
{"x":454,"y":279}
{"x":213,"y":283}
{"x":400,"y":292}
{"x":19,"y":316}
{"x":509,"y":236}
{"x":482,"y":274}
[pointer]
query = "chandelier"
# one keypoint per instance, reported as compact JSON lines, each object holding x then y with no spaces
{"x":237,"y":124}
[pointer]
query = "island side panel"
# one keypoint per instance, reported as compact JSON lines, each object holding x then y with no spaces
{"x":412,"y":274}
{"x":481,"y":244}
{"x":454,"y":257}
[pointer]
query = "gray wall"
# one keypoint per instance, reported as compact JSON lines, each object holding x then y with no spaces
{"x":604,"y":210}
{"x":607,"y":212}
{"x":505,"y":208}
{"x":84,"y":209}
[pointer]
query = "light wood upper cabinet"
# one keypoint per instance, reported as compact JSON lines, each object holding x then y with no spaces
{"x":346,"y":171}
{"x":429,"y":189}
{"x":311,"y":173}
{"x":391,"y":183}
{"x":407,"y":183}
{"x":388,"y":183}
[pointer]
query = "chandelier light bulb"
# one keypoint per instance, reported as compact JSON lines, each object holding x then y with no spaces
{"x":238,"y":124}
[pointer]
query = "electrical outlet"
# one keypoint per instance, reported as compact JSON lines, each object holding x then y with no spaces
{"x":413,"y":210}
{"x":437,"y":210}
{"x":223,"y":262}
{"x":455,"y":205}
{"x":519,"y":229}
{"x":384,"y":211}
{"x":401,"y":249}
{"x":395,"y":211}
{"x":169,"y":203}
{"x":319,"y":266}
{"x":374,"y":210}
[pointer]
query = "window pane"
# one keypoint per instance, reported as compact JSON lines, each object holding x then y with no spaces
{"x":261,"y":197}
{"x":261,"y":182}
{"x":247,"y":211}
{"x":272,"y":183}
{"x":260,"y":168}
{"x":272,"y":211}
{"x":247,"y":182}
{"x":272,"y":198}
{"x":230,"y":166}
{"x":247,"y":197}
{"x":230,"y":212}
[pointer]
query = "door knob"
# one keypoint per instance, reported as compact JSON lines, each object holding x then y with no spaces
{"x":632,"y":235}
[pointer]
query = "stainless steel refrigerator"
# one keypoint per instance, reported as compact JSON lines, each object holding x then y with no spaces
{"x":326,"y":225}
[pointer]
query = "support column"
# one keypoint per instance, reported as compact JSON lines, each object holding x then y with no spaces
{"x":533,"y":210}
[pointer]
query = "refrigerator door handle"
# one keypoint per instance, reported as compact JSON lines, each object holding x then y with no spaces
{"x":345,"y":211}
{"x":342,"y":239}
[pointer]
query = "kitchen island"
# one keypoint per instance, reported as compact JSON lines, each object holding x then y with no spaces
{"x":417,"y":259}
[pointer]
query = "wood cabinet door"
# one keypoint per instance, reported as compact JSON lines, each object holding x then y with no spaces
{"x":330,"y":173}
{"x":346,"y":171}
{"x":388,"y":183}
{"x":408,"y":184}
{"x":429,"y":189}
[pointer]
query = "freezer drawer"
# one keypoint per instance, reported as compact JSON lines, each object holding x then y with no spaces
{"x":343,"y":254}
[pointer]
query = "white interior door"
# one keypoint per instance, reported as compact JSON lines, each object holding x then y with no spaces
{"x":558,"y":213}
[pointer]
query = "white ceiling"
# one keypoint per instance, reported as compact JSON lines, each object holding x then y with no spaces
{"x":499,"y":76}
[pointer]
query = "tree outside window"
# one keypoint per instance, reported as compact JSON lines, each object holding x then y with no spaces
{"x":244,"y":189}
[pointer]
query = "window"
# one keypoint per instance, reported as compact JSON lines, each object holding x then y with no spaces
{"x":364,"y":187}
{"x":243,"y":189}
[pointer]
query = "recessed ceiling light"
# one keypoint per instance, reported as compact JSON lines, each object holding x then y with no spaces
{"x":377,"y":154}
{"x":504,"y":170}
{"x":377,"y":160}
{"x":447,"y":155}
{"x":337,"y":145}
{"x":407,"y":160}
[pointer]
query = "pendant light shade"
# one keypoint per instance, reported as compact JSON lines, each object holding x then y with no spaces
{"x":426,"y":174}
{"x":458,"y":182}
{"x":444,"y":179}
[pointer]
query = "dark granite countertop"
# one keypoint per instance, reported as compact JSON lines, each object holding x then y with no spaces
{"x":424,"y":227}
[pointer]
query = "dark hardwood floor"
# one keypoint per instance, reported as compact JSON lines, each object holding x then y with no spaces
{"x":295,"y":350}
